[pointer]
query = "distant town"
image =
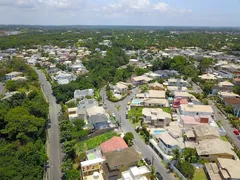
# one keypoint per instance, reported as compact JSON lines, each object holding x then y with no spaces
{"x":122,"y":104}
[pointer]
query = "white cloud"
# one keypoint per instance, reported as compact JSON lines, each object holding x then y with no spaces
{"x":162,"y":7}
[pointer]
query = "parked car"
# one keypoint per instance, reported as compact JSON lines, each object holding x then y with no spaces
{"x":236,"y":132}
{"x":159,"y":176}
{"x":148,"y":161}
{"x":238,"y":137}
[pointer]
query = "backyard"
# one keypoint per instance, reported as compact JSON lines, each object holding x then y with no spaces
{"x":199,"y":174}
{"x":94,"y":142}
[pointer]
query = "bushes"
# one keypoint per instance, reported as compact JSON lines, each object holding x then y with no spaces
{"x":186,"y":169}
{"x":128,"y":138}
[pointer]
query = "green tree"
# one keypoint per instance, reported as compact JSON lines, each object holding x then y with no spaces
{"x":128,"y":138}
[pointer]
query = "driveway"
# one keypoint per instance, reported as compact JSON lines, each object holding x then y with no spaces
{"x":145,"y":150}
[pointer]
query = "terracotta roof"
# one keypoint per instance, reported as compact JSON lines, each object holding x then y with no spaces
{"x":236,"y":79}
{"x":113,"y":144}
{"x":231,"y":100}
{"x":122,"y":157}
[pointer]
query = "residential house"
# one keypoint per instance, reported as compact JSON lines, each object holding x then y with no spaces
{"x":223,"y":86}
{"x":156,"y":117}
{"x":119,"y":161}
{"x":226,"y":94}
{"x":211,"y":149}
{"x":153,"y":75}
{"x":154,"y":102}
{"x":224,"y":74}
{"x":152,"y":94}
{"x":189,"y":122}
{"x":182,"y":95}
{"x":191,"y":109}
{"x":205,"y":131}
{"x":235,"y":103}
{"x":13,"y":74}
{"x":136,"y":173}
{"x":90,"y":166}
{"x":208,"y":77}
{"x":121,"y":87}
{"x":156,"y":86}
{"x":64,"y":78}
{"x":178,"y":101}
{"x":78,"y":94}
{"x":167,"y":143}
{"x":80,"y":111}
{"x":113,"y":144}
{"x":236,"y":81}
{"x":173,"y":89}
{"x":138,"y":80}
{"x":19,"y":78}
{"x":177,"y":82}
{"x":97,"y":117}
{"x":223,"y":169}
{"x":166,"y":73}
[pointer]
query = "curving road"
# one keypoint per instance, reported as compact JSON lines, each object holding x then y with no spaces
{"x":54,"y":152}
{"x":126,"y":126}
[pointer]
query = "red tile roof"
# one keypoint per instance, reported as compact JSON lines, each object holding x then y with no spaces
{"x":231,"y":100}
{"x":113,"y":144}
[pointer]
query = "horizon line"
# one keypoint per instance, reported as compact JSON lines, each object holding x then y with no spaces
{"x":214,"y":26}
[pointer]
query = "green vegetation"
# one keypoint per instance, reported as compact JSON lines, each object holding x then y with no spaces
{"x":199,"y":174}
{"x":186,"y":168}
{"x":167,"y":109}
{"x":95,"y":141}
{"x":128,"y":138}
{"x":224,"y":138}
{"x":22,"y":126}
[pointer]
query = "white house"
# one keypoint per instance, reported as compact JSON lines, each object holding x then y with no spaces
{"x":156,"y":117}
{"x":78,"y":94}
{"x":13,"y":74}
{"x":191,"y":109}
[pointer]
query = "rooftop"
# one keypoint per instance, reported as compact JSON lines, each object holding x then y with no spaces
{"x":225,"y":83}
{"x":213,"y":171}
{"x":95,"y":110}
{"x":142,"y":78}
{"x":155,"y":113}
{"x":122,"y":157}
{"x":135,"y":173}
{"x":214,"y":146}
{"x":230,"y":169}
{"x":196,"y":108}
{"x":230,"y":100}
{"x":208,"y":77}
{"x":152,"y":94}
{"x":182,"y":94}
{"x":113,"y":144}
{"x":205,"y":130}
{"x":167,"y":138}
{"x":228,"y":94}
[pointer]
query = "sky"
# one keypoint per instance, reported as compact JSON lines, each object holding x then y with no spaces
{"x":121,"y":12}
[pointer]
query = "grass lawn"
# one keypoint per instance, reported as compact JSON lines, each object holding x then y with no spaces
{"x":166,"y":109}
{"x":224,"y":138}
{"x":94,"y":142}
{"x":199,"y":174}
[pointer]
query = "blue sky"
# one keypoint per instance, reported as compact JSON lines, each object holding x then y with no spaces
{"x":121,"y":12}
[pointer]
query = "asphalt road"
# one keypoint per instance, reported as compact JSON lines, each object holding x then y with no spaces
{"x":147,"y":151}
{"x":228,"y":127}
{"x":54,"y":152}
